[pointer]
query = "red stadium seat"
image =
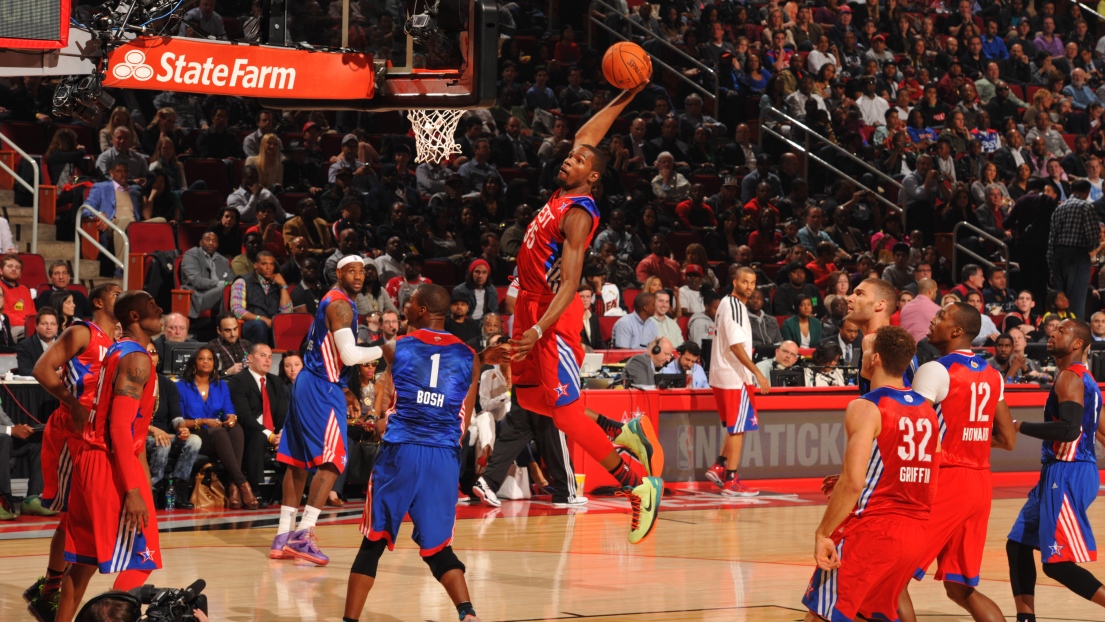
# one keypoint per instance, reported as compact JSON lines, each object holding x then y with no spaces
{"x":146,"y":238}
{"x":188,"y":235}
{"x":683,"y":321}
{"x":289,"y":329}
{"x":606,"y":327}
{"x":628,"y":296}
{"x":34,"y":269}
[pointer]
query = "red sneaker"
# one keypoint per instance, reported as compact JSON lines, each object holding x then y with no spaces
{"x":716,"y":474}
{"x":734,"y":488}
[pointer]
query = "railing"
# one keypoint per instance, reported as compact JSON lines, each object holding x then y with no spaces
{"x":710,"y":96}
{"x":984,"y":262}
{"x":81,"y":233}
{"x":32,"y":188}
{"x":804,"y":150}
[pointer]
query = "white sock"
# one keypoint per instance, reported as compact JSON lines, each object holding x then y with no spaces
{"x":310,"y":517}
{"x":287,"y":519}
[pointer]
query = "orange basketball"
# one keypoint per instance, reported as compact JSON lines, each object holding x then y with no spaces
{"x":626,"y":65}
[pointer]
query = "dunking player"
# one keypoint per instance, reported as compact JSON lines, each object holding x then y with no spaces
{"x":112,"y":526}
{"x":969,"y":397}
{"x":866,"y":546}
{"x":417,"y":471}
{"x":314,"y":432}
{"x":1054,"y":519}
{"x":549,"y":316}
{"x":80,"y":350}
{"x":731,"y":374}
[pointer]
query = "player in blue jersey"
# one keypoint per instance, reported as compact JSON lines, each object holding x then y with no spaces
{"x":417,"y":471}
{"x":314,"y":432}
{"x":1054,"y":519}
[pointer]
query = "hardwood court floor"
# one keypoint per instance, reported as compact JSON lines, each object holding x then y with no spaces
{"x":732,"y":564}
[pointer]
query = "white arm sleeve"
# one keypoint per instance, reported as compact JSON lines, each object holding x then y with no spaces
{"x":350,"y":352}
{"x":932,"y":382}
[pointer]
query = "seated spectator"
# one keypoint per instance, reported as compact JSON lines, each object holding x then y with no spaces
{"x":205,"y":17}
{"x":660,"y":264}
{"x":217,"y":140}
{"x":263,"y":400}
{"x":591,"y":335}
{"x":822,"y":266}
{"x":490,"y":327}
{"x":918,"y":313}
{"x":996,"y":296}
{"x":165,"y":435}
{"x":228,"y":232}
{"x":230,"y":350}
{"x":511,"y":149}
{"x":850,"y":343}
{"x":291,"y":363}
{"x":838,"y":309}
{"x":479,"y":169}
{"x":823,"y":372}
{"x":459,"y":323}
{"x":788,"y":294}
{"x":665,"y":325}
{"x":694,"y":212}
{"x":159,"y":202}
{"x":272,"y":238}
{"x":166,"y":163}
{"x":16,"y":443}
{"x":900,"y":274}
{"x":270,"y":169}
{"x":481,"y":294}
{"x":122,"y":150}
{"x":802,"y":327}
{"x":634,"y":331}
{"x":786,"y":355}
{"x":988,"y":332}
{"x":1013,"y":367}
{"x":266,"y":124}
{"x":702,"y":325}
{"x":399,"y":288}
{"x":372,"y":298}
{"x":1058,"y":304}
{"x":669,"y":184}
{"x":174,"y":330}
{"x":309,"y":290}
{"x":1022,"y":313}
{"x":7,"y":340}
{"x":30,"y":349}
{"x":972,"y":279}
{"x":686,"y":362}
{"x":120,"y":202}
{"x":257,"y":297}
{"x":209,"y":413}
{"x":252,"y":244}
{"x":62,"y":301}
{"x":690,"y":295}
{"x":1097,"y":326}
{"x":251,"y":194}
{"x":641,"y":369}
{"x":59,"y":280}
{"x":206,"y":273}
{"x":627,"y":246}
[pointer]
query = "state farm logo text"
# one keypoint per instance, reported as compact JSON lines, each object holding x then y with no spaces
{"x":179,"y":70}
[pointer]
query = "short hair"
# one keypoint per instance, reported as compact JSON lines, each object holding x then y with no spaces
{"x":745,"y":270}
{"x":225,"y":315}
{"x":598,"y":157}
{"x":992,"y":271}
{"x":884,"y":290}
{"x":43,"y":312}
{"x":435,"y":297}
{"x":59,"y":263}
{"x":130,"y":300}
{"x":709,"y":296}
{"x":253,"y":348}
{"x":642,"y":299}
{"x":689,"y":346}
{"x":895,"y":347}
{"x":1081,"y":186}
{"x":11,"y":257}
{"x":101,"y":290}
{"x":110,"y":607}
{"x":1004,"y":335}
{"x":967,"y":317}
{"x":1082,"y":331}
{"x":263,"y":254}
{"x":826,"y":351}
{"x":800,"y":299}
{"x":968,"y":271}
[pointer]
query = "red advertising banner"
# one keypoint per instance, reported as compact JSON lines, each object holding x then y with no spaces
{"x":220,"y":68}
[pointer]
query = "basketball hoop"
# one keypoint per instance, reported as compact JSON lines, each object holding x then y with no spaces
{"x":433,"y":133}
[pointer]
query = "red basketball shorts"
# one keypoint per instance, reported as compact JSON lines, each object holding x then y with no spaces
{"x":957,"y":525}
{"x":553,"y":363}
{"x":60,"y":446}
{"x":96,"y":535}
{"x":877,"y":556}
{"x":737,"y":409}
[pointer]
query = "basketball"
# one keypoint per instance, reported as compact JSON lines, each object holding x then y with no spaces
{"x":626,"y":65}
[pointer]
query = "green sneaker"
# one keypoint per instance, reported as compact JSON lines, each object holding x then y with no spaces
{"x":5,"y":514}
{"x":645,"y":501}
{"x":32,"y":506}
{"x":638,"y":437}
{"x":45,"y":608}
{"x":32,"y":592}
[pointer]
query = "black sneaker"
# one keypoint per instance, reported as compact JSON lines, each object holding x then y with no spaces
{"x":32,"y":592}
{"x":45,"y":609}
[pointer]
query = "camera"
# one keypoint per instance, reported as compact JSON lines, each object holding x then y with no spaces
{"x":164,"y":605}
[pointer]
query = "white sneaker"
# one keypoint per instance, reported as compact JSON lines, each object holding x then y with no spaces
{"x":574,"y":502}
{"x":485,"y":494}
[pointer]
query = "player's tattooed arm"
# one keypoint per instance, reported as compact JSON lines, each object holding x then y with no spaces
{"x":130,"y":382}
{"x":132,"y":376}
{"x":339,"y":315}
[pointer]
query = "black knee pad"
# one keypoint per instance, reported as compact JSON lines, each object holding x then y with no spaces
{"x":1022,"y":568}
{"x":1075,"y":578}
{"x":368,"y":557}
{"x":443,"y":561}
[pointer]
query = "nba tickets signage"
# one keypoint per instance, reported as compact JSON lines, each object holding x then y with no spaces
{"x":219,"y":68}
{"x":807,"y":443}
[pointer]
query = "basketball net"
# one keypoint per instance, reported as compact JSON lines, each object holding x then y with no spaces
{"x":433,"y":133}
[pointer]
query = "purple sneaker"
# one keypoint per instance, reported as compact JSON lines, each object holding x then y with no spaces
{"x":277,"y":550}
{"x":303,"y":545}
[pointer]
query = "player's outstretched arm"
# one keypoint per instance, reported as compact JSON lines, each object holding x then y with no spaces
{"x":1068,"y":426}
{"x":595,"y":129}
{"x":72,"y":342}
{"x":577,"y":226}
{"x":130,"y":381}
{"x":339,"y":319}
{"x":861,"y":423}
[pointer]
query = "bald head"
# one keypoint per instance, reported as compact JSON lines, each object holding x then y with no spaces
{"x":929,"y":288}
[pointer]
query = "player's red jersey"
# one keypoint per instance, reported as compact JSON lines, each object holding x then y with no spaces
{"x":82,"y":372}
{"x":965,"y":414}
{"x":541,"y":251}
{"x":97,"y":433}
{"x":901,"y":473}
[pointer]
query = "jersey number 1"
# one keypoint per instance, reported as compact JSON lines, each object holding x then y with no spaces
{"x":435,"y":363}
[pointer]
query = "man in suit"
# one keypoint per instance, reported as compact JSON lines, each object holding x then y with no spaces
{"x":314,"y":230}
{"x":743,"y":152}
{"x":59,"y":281}
{"x":1012,"y":155}
{"x":120,"y":202}
{"x":263,"y":401}
{"x":512,"y":149}
{"x":668,"y":141}
{"x":849,"y":340}
{"x":28,"y":350}
{"x":204,"y":271}
{"x":15,"y":443}
{"x":848,"y":238}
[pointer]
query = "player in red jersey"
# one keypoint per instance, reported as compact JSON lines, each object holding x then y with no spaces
{"x":80,"y":350}
{"x":548,"y":318}
{"x":111,"y":525}
{"x":866,"y":546}
{"x":969,"y":397}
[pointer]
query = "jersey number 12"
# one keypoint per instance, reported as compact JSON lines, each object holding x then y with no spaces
{"x":980,"y":394}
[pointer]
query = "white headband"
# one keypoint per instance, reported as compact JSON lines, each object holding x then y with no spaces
{"x":348,"y":259}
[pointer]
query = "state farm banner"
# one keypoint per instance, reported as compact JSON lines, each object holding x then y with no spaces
{"x":220,"y":68}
